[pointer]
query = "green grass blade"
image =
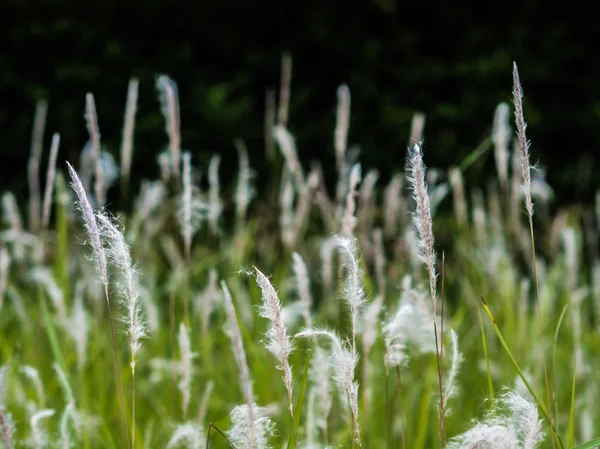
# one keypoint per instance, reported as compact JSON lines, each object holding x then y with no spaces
{"x":589,"y":445}
{"x":293,"y":440}
{"x":540,"y":404}
{"x":572,"y":411}
{"x":487,"y":360}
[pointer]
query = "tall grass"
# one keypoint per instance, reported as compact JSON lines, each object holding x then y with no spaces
{"x":342,"y":284}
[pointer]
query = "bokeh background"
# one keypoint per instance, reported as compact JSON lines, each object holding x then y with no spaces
{"x":450,"y":60}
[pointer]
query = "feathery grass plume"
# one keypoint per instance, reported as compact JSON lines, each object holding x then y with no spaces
{"x":39,"y":436}
{"x":91,"y":120}
{"x":214,"y":199}
{"x":185,"y":383}
{"x":342,"y":125}
{"x":119,"y":254}
{"x":129,"y":127}
{"x":34,"y":376}
{"x":207,"y":300}
{"x":15,"y":224}
{"x":187,"y":435}
{"x":270,"y":114}
{"x":422,"y":216}
{"x":7,"y":426}
{"x":93,"y":231}
{"x":242,"y":422}
{"x":501,"y":137}
{"x":164,"y":162}
{"x":327,"y":250}
{"x":65,"y":434}
{"x":192,"y":210}
{"x":343,"y":361}
{"x":203,"y":409}
{"x":366,"y":201}
{"x":523,"y":144}
{"x":304,"y":203}
{"x":517,"y":427}
{"x":526,"y":187}
{"x":286,"y":208}
{"x":410,"y":326}
{"x":458,"y":193}
{"x":348,"y":219}
{"x":392,"y":205}
{"x":354,"y":293}
{"x":169,"y":103}
{"x":33,"y":165}
{"x":50,"y":175}
{"x":595,"y":287}
{"x":79,"y":326}
{"x":379,"y":261}
{"x":457,"y":358}
{"x":319,"y":375}
{"x":4,"y":272}
{"x":71,"y":411}
{"x":303,"y":287}
{"x":239,"y":353}
{"x":287,"y":145}
{"x":417,"y":125}
{"x":243,"y":191}
{"x":284,"y":90}
{"x":278,"y":343}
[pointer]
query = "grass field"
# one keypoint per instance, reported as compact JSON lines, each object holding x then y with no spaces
{"x":300,"y":316}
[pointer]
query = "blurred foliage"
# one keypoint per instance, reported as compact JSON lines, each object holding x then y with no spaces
{"x":452,"y":62}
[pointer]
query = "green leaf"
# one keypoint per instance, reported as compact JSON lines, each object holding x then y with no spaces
{"x":589,"y":445}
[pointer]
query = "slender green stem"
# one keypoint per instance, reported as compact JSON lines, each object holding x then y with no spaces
{"x":536,"y":398}
{"x":539,"y":312}
{"x":487,"y":359}
{"x":117,"y":367}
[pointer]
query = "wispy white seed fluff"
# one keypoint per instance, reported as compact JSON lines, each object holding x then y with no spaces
{"x":243,"y":191}
{"x":214,"y":198}
{"x":451,"y":388}
{"x":348,"y":217}
{"x":393,"y":203}
{"x":192,"y":210}
{"x":33,"y":165}
{"x":278,"y":343}
{"x":169,"y":102}
{"x":287,"y":145}
{"x":50,"y":176}
{"x":241,"y":423}
{"x":285,"y":84}
{"x":91,"y":225}
{"x":91,"y":119}
{"x":342,"y":124}
{"x":303,"y":287}
{"x":240,"y":358}
{"x":516,"y":425}
{"x":187,"y":436}
{"x":501,"y":137}
{"x":417,"y":125}
{"x":7,"y":426}
{"x":458,"y":194}
{"x":343,"y":361}
{"x":118,"y":253}
{"x":128,"y":127}
{"x":39,"y":436}
{"x":4,"y":272}
{"x":523,"y":144}
{"x":354,"y":293}
{"x":422,"y":216}
{"x":185,"y":382}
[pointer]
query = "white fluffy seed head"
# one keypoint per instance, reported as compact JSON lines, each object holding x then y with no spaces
{"x":241,"y":423}
{"x":303,"y":287}
{"x":278,"y":343}
{"x":169,"y":102}
{"x":91,"y":225}
{"x":187,"y":435}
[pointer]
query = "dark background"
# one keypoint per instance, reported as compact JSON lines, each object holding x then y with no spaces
{"x":450,"y":60}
